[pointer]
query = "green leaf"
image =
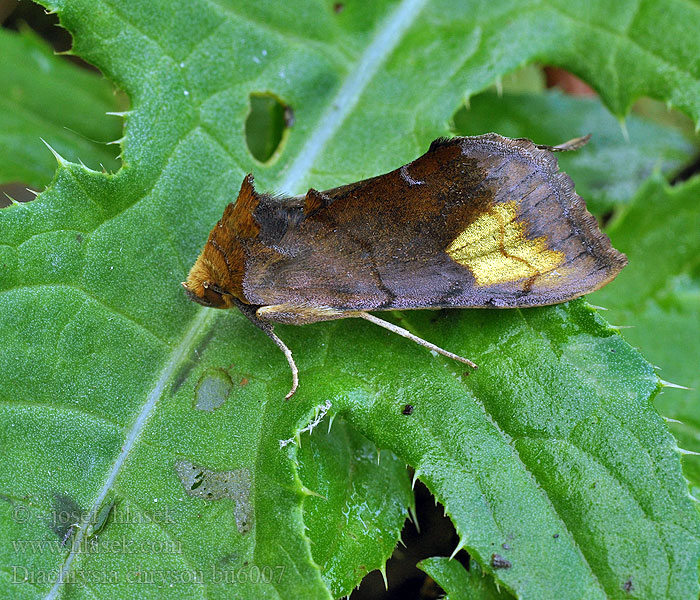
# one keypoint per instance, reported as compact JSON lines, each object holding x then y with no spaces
{"x":613,"y":164}
{"x":46,"y":97}
{"x":659,"y":298}
{"x":459,"y":583}
{"x":117,"y":389}
{"x":552,"y":447}
{"x":358,"y":508}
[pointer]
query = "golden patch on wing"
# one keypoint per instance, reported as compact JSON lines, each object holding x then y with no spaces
{"x":495,"y":249}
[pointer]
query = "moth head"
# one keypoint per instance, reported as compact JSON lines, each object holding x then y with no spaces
{"x":202,"y":287}
{"x":217,"y":275}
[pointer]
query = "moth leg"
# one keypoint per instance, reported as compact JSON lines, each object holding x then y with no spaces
{"x":249,"y":311}
{"x":296,"y":314}
{"x":290,"y":360}
{"x":407,"y":334}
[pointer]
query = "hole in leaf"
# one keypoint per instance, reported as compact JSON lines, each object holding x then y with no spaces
{"x":265,"y":127}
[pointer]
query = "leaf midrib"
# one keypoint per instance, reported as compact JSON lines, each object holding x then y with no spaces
{"x":389,"y":33}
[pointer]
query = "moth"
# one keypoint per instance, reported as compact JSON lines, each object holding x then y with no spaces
{"x":476,"y":222}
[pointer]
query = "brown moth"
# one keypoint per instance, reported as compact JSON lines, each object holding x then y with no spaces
{"x":482,"y":221}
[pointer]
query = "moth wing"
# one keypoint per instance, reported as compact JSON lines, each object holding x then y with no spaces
{"x":481,"y":221}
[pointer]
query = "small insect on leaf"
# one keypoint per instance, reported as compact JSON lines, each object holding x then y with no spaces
{"x":476,"y":222}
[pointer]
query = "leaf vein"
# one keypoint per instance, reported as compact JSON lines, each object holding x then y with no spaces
{"x":62,"y":407}
{"x":102,"y":303}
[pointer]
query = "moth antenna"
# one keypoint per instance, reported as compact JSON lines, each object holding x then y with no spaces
{"x":574,"y":144}
{"x":407,"y":334}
